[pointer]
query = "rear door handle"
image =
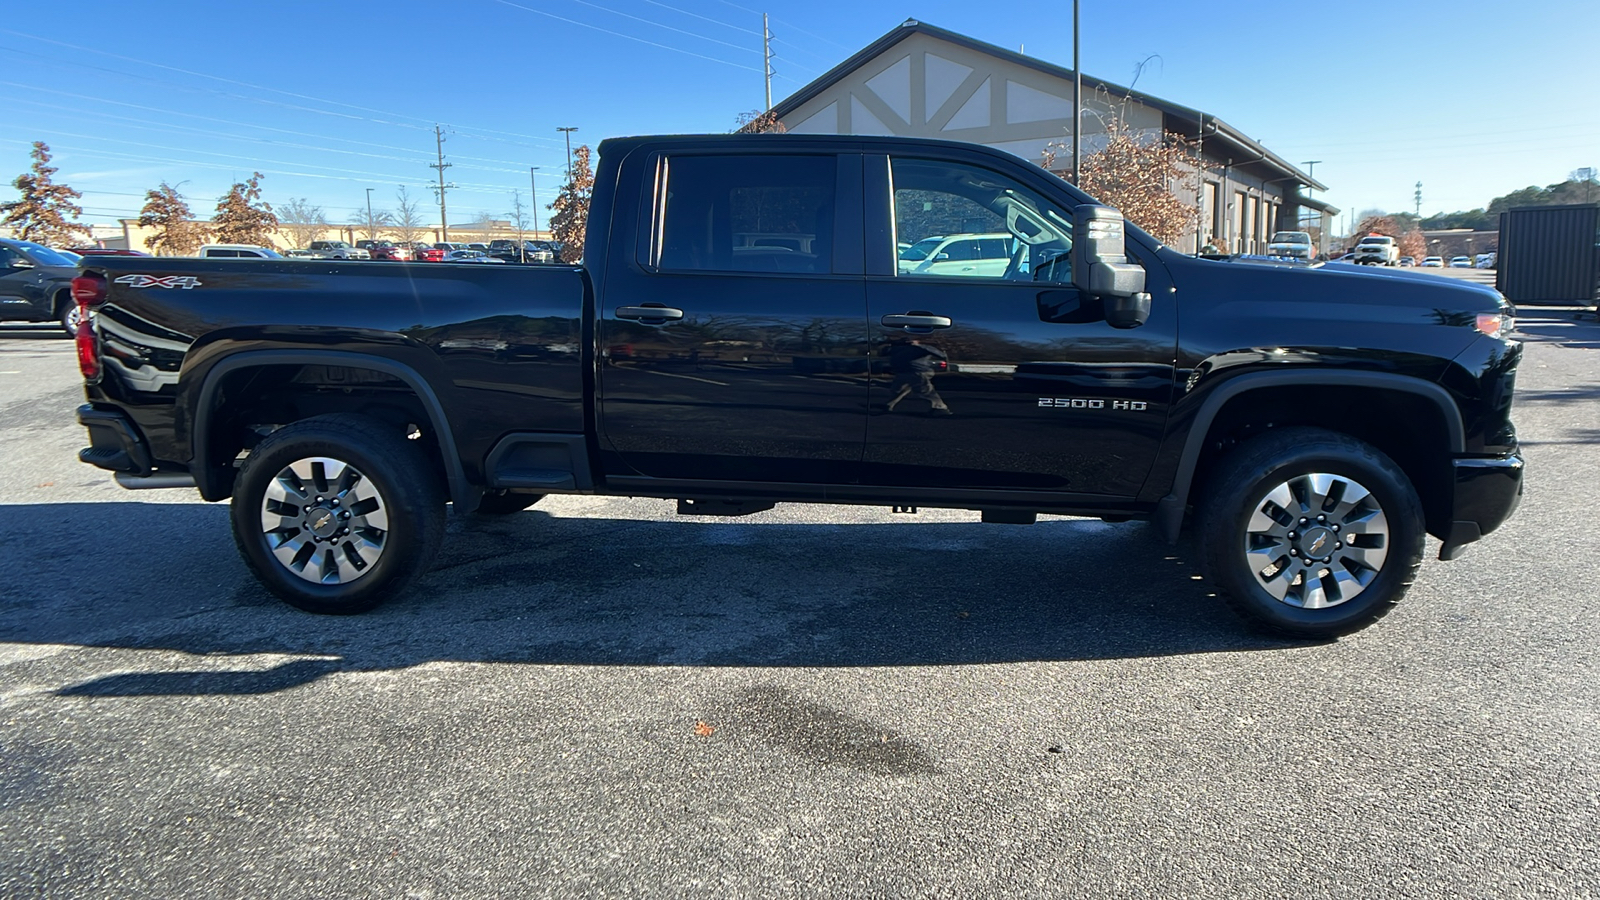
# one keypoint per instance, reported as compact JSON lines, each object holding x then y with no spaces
{"x":908,"y":321}
{"x":663,"y":313}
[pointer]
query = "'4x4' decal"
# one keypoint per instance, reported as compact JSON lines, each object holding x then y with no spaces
{"x":161,"y":281}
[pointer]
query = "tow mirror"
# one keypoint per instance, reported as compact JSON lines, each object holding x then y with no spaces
{"x":1100,"y":265}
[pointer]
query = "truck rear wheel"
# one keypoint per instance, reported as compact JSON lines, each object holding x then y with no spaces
{"x":1311,"y":533}
{"x":337,"y":513}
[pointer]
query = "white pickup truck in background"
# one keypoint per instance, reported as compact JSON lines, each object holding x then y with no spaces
{"x":1377,"y":250}
{"x":1293,"y":244}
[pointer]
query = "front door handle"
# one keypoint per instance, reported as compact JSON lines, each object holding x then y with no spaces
{"x":663,"y":313}
{"x":916,"y":321}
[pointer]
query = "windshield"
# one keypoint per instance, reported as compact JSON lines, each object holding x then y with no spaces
{"x":920,"y":250}
{"x":44,"y":256}
{"x":1291,"y":237}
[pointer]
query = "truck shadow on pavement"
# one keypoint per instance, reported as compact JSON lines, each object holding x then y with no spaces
{"x":538,"y":589}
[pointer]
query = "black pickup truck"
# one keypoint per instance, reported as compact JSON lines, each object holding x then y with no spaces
{"x":742,"y":332}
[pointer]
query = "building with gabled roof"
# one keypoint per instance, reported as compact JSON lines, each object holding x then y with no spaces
{"x":923,"y":81}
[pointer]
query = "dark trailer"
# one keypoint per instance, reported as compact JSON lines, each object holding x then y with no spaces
{"x":1550,"y":254}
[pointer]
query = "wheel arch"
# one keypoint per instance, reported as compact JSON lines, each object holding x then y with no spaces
{"x":1170,"y":510}
{"x":204,"y":468}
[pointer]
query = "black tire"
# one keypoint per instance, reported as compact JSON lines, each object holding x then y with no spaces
{"x":410,"y":496}
{"x":504,"y":503}
{"x":1241,"y":484}
{"x":67,"y":313}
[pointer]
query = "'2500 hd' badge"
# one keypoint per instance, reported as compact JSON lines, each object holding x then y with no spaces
{"x":161,"y":281}
{"x":1080,"y":403}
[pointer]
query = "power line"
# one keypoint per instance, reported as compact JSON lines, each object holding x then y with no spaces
{"x":652,"y":24}
{"x":540,"y":12}
{"x":705,"y":18}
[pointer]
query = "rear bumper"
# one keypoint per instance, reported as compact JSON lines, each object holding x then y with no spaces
{"x":114,"y":442}
{"x":1486,"y":493}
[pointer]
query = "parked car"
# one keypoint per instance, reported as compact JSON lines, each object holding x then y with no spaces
{"x":393,"y":252}
{"x":1408,"y":260}
{"x":1296,"y":244}
{"x":1116,"y":377}
{"x":1433,"y":262}
{"x":238,"y":251}
{"x":447,"y":246}
{"x":1377,"y":250}
{"x":1485,"y":260}
{"x":337,"y":250}
{"x":299,"y":254}
{"x":429,"y":253}
{"x":1460,"y":262}
{"x":525,"y":252}
{"x":481,"y":248}
{"x":958,"y":254}
{"x":471,"y":256}
{"x":105,"y":251}
{"x":36,"y":285}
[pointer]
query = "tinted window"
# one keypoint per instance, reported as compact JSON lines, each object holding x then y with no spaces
{"x":976,"y":224}
{"x":749,"y":214}
{"x":8,"y":258}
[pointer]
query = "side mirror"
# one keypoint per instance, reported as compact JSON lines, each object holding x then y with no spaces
{"x":1100,"y":265}
{"x":941,"y":257}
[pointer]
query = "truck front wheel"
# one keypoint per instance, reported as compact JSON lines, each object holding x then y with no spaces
{"x":337,"y":513}
{"x":1311,"y":533}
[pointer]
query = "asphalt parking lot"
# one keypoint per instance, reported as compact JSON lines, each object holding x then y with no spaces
{"x":596,"y":698}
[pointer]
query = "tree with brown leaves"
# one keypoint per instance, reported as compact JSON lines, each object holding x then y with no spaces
{"x":570,"y":217}
{"x":242,"y":217}
{"x":758,"y":122}
{"x":45,"y":214}
{"x":1141,"y":175}
{"x":176,"y":231}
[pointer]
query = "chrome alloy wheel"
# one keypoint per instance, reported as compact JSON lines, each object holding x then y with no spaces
{"x":1316,"y":540}
{"x":324,"y":520}
{"x":73,"y":318}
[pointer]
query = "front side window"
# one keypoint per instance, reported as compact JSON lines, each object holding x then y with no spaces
{"x":955,"y":220}
{"x":748,"y":214}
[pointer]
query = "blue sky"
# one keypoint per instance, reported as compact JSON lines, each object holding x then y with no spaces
{"x":1472,"y":97}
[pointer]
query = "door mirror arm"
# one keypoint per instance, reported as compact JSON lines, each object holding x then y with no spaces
{"x":1100,"y":265}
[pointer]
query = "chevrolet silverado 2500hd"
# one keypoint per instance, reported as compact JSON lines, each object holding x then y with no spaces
{"x":740,"y":334}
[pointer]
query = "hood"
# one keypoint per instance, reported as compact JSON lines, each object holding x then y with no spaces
{"x":1335,"y":281}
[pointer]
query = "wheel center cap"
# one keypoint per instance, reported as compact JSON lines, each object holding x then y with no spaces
{"x":1317,"y":542}
{"x":322,"y":522}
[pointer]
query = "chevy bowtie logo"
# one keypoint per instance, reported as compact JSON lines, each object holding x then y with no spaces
{"x":161,"y":281}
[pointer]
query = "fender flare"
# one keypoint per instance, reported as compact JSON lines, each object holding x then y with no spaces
{"x":1169,"y":512}
{"x":461,"y":492}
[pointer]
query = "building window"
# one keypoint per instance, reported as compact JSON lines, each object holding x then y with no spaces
{"x":748,"y":214}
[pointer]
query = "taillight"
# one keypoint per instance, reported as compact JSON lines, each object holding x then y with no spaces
{"x":89,"y":290}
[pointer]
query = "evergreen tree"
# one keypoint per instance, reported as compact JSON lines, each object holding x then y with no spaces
{"x":242,"y":218}
{"x":166,"y":211}
{"x":45,"y":213}
{"x":570,"y":217}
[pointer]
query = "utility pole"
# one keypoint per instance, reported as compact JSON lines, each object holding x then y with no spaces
{"x":533,"y":181}
{"x":1418,"y":196}
{"x":1077,"y":101}
{"x":371,"y":231}
{"x":441,"y":165}
{"x":766,"y":54}
{"x":568,"y":132}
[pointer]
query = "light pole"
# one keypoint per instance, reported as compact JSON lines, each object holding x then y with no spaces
{"x":568,"y":132}
{"x":371,"y":232}
{"x":533,"y":181}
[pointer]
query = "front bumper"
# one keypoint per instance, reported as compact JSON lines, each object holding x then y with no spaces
{"x":1485,"y":493}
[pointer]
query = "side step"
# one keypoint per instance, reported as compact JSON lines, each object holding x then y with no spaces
{"x":721,"y":506}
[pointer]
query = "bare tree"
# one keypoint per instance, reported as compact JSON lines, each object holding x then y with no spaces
{"x":302,"y":221}
{"x":409,"y":225}
{"x":168,"y":214}
{"x":371,"y":221}
{"x":520,"y":220}
{"x":45,"y":213}
{"x":485,"y":225}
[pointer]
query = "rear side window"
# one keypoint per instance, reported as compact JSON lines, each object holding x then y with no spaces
{"x":748,"y":214}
